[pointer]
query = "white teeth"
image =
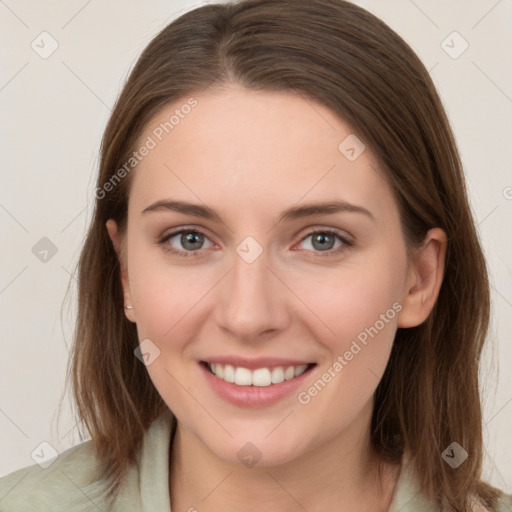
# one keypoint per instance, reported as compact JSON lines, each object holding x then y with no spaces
{"x":300,"y":370}
{"x":229,"y":373}
{"x":277,"y":375}
{"x":219,"y":370}
{"x":260,"y":377}
{"x":289,"y":373}
{"x":243,"y":377}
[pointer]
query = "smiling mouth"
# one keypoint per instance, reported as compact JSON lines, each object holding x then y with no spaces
{"x":259,"y":377}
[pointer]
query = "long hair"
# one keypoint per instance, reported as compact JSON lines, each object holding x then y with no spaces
{"x":342,"y":56}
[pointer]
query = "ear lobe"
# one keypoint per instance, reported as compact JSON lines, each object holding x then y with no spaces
{"x":425,"y":278}
{"x":113,"y":233}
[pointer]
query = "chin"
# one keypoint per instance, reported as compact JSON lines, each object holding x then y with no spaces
{"x":253,"y":451}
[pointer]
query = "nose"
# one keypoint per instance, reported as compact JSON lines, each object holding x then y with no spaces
{"x":253,"y":300}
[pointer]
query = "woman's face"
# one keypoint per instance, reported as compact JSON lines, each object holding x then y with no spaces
{"x":268,"y":276}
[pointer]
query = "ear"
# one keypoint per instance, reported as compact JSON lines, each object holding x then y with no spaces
{"x":114,"y":237}
{"x":425,"y":276}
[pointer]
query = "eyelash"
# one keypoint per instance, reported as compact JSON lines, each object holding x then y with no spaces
{"x":191,"y":254}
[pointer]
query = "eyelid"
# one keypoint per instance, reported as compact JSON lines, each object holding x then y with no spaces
{"x":347,"y":239}
{"x":310,"y":230}
{"x":162,"y":240}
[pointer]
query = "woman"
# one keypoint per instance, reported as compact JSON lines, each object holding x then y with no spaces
{"x":282,"y":295}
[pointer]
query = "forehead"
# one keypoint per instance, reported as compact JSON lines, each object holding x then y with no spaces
{"x":236,"y":147}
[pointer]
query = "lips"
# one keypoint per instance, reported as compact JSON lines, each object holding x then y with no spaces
{"x":261,"y":394}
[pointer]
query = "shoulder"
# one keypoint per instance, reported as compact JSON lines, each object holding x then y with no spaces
{"x":72,"y":481}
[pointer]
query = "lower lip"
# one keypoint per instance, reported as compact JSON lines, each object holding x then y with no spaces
{"x":254,"y":396}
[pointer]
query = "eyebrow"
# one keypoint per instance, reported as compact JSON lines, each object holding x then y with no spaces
{"x":292,"y":213}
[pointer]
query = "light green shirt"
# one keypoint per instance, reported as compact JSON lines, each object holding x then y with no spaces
{"x":71,"y":483}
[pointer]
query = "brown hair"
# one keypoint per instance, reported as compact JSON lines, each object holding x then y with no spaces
{"x":345,"y":58}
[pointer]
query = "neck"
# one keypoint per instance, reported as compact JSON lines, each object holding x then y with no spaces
{"x":340,"y":474}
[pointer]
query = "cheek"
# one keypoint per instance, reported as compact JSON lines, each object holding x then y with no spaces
{"x":166,"y":298}
{"x":360,"y":306}
{"x":162,"y":293}
{"x":352,"y":297}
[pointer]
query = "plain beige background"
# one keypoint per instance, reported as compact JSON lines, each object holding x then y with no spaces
{"x":53,"y":112}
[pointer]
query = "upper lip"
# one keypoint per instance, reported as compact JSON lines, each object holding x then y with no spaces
{"x":252,"y":364}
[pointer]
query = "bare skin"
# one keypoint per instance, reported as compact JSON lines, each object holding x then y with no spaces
{"x":250,"y":156}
